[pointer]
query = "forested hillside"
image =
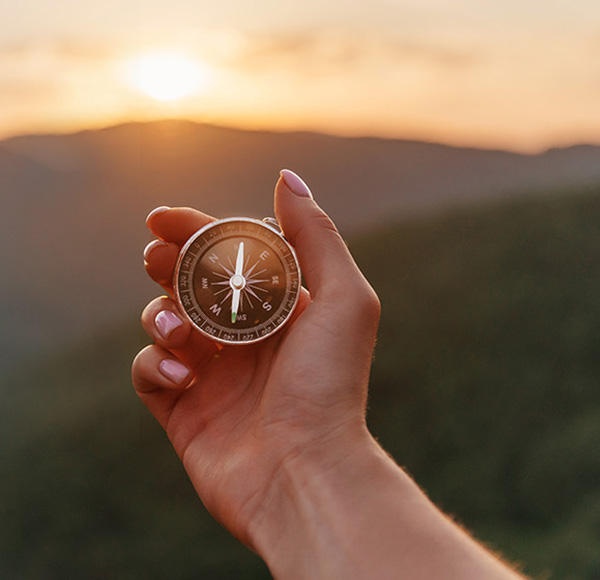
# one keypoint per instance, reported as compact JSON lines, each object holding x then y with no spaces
{"x":485,"y":385}
{"x":72,"y":220}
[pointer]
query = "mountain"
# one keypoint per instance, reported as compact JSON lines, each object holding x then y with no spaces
{"x":72,"y":226}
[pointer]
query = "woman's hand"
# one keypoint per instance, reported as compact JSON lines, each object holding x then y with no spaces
{"x":238,"y":415}
{"x":273,"y":435}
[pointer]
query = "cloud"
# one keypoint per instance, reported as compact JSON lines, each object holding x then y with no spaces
{"x":39,"y":68}
{"x":58,"y":49}
{"x":42,"y":69}
{"x":27,"y":72}
{"x":31,"y":90}
{"x":46,"y":84}
{"x":324,"y":52}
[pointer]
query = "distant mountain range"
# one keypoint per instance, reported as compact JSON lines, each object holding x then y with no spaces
{"x":73,"y":206}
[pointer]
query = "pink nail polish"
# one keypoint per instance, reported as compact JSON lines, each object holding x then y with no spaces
{"x":157,"y":210}
{"x":173,"y":370}
{"x":152,"y":246}
{"x":295,"y":183}
{"x":166,"y":322}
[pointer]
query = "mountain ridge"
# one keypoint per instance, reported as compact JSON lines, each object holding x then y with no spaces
{"x":72,"y":230}
{"x":223,"y":127}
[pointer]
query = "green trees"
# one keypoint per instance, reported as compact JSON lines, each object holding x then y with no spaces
{"x":486,"y":379}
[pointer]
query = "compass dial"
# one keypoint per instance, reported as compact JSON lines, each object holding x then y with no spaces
{"x":237,"y":280}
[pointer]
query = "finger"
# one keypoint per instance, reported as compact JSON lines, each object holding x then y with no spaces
{"x":156,"y":368}
{"x":176,"y":224}
{"x":159,"y":379}
{"x":159,"y":260}
{"x":166,"y":326}
{"x":332,"y":276}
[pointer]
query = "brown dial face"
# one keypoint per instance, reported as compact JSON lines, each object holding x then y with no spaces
{"x":237,"y":280}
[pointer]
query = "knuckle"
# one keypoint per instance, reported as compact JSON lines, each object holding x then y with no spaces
{"x":139,"y":364}
{"x":143,"y":370}
{"x":368,"y":303}
{"x":358,"y":298}
{"x":324,"y":222}
{"x":142,"y":357}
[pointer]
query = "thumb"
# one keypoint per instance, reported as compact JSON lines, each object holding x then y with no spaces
{"x":328,"y":269}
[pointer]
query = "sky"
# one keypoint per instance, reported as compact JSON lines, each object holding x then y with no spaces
{"x":521,"y":75}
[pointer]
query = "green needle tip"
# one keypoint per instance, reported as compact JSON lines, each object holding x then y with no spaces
{"x":233,"y":317}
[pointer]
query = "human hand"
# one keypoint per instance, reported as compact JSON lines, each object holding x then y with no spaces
{"x":273,"y":434}
{"x":238,"y":415}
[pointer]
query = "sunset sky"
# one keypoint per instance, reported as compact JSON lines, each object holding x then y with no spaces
{"x":516,"y":74}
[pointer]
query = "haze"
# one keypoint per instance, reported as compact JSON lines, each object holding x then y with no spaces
{"x":519,"y":75}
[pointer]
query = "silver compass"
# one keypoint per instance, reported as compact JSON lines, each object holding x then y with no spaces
{"x":237,"y":280}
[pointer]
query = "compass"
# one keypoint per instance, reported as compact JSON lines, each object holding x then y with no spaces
{"x":237,"y":280}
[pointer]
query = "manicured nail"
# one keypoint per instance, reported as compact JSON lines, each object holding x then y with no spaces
{"x":157,"y":210}
{"x":173,"y":370}
{"x":152,"y":246}
{"x":166,"y":322}
{"x":295,"y":183}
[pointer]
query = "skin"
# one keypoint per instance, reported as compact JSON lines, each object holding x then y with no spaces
{"x":273,"y":435}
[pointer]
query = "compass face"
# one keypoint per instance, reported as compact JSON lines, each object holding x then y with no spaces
{"x":237,"y":280}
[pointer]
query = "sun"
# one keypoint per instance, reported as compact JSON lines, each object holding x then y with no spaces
{"x":167,"y":75}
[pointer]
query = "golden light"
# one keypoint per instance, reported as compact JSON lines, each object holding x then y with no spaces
{"x":167,"y":76}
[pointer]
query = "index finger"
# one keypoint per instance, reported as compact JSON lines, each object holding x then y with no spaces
{"x":173,"y":227}
{"x":176,"y":224}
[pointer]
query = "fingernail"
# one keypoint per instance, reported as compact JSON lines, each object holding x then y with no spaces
{"x":152,"y":246}
{"x":295,"y":183}
{"x":157,"y":210}
{"x":173,"y":370}
{"x":166,"y":322}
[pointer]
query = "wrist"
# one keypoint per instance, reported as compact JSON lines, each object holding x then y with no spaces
{"x":317,"y":497}
{"x":345,"y":510}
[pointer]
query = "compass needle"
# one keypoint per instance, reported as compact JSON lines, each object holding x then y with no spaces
{"x":237,"y":282}
{"x":235,"y":302}
{"x":239,"y":262}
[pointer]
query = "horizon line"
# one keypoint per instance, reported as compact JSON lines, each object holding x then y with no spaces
{"x":466,"y":144}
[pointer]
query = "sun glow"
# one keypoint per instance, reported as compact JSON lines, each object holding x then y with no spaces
{"x":167,"y":76}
